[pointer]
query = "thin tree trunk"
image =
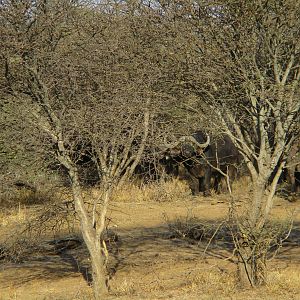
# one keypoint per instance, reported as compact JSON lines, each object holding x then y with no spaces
{"x":99,"y":274}
{"x":257,"y":202}
{"x":244,"y":267}
{"x":252,"y":255}
{"x":88,"y":233}
{"x":92,"y":242}
{"x":259,"y":268}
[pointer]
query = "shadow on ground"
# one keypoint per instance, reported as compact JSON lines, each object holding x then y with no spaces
{"x":135,"y":248}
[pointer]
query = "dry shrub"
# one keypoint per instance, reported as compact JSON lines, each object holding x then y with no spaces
{"x":284,"y":284}
{"x":28,"y":216}
{"x":254,"y":247}
{"x":23,"y":229}
{"x":25,"y":196}
{"x":30,"y":187}
{"x":14,"y":244}
{"x":192,"y":228}
{"x":159,"y":191}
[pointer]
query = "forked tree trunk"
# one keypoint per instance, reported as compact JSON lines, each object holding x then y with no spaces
{"x":99,"y":274}
{"x":253,"y":247}
{"x":93,"y":243}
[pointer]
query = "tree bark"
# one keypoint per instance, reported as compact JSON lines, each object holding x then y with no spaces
{"x":97,"y":257}
{"x":257,"y":202}
{"x":99,"y":274}
{"x":244,"y":268}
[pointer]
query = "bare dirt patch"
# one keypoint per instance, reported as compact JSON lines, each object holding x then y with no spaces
{"x":148,"y":263}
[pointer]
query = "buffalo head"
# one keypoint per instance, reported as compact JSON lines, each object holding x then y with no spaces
{"x":188,"y":146}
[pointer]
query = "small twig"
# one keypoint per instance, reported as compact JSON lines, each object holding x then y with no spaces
{"x":212,"y":237}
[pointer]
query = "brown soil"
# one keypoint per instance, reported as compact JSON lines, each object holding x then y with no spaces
{"x":148,"y":263}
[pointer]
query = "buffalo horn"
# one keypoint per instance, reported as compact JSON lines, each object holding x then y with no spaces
{"x":194,"y":141}
{"x":190,"y":139}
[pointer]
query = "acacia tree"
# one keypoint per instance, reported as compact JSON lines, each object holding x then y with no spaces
{"x":83,"y":83}
{"x":239,"y":73}
{"x":245,"y":76}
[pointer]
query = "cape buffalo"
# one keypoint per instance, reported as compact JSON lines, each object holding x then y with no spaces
{"x":203,"y":162}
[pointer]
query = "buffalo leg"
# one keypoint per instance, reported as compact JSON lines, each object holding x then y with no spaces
{"x":204,"y":185}
{"x":297,"y":181}
{"x":292,"y":179}
{"x":194,"y":185}
{"x":217,"y":183}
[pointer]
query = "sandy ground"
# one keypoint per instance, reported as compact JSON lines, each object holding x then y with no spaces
{"x":148,"y":263}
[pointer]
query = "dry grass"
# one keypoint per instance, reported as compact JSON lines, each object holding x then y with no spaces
{"x":205,"y":282}
{"x":16,"y":214}
{"x":151,"y":265}
{"x":162,"y":191}
{"x":284,"y":281}
{"x":25,"y":196}
{"x":179,"y":284}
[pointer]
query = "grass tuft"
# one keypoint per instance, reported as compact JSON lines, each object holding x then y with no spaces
{"x":162,"y":191}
